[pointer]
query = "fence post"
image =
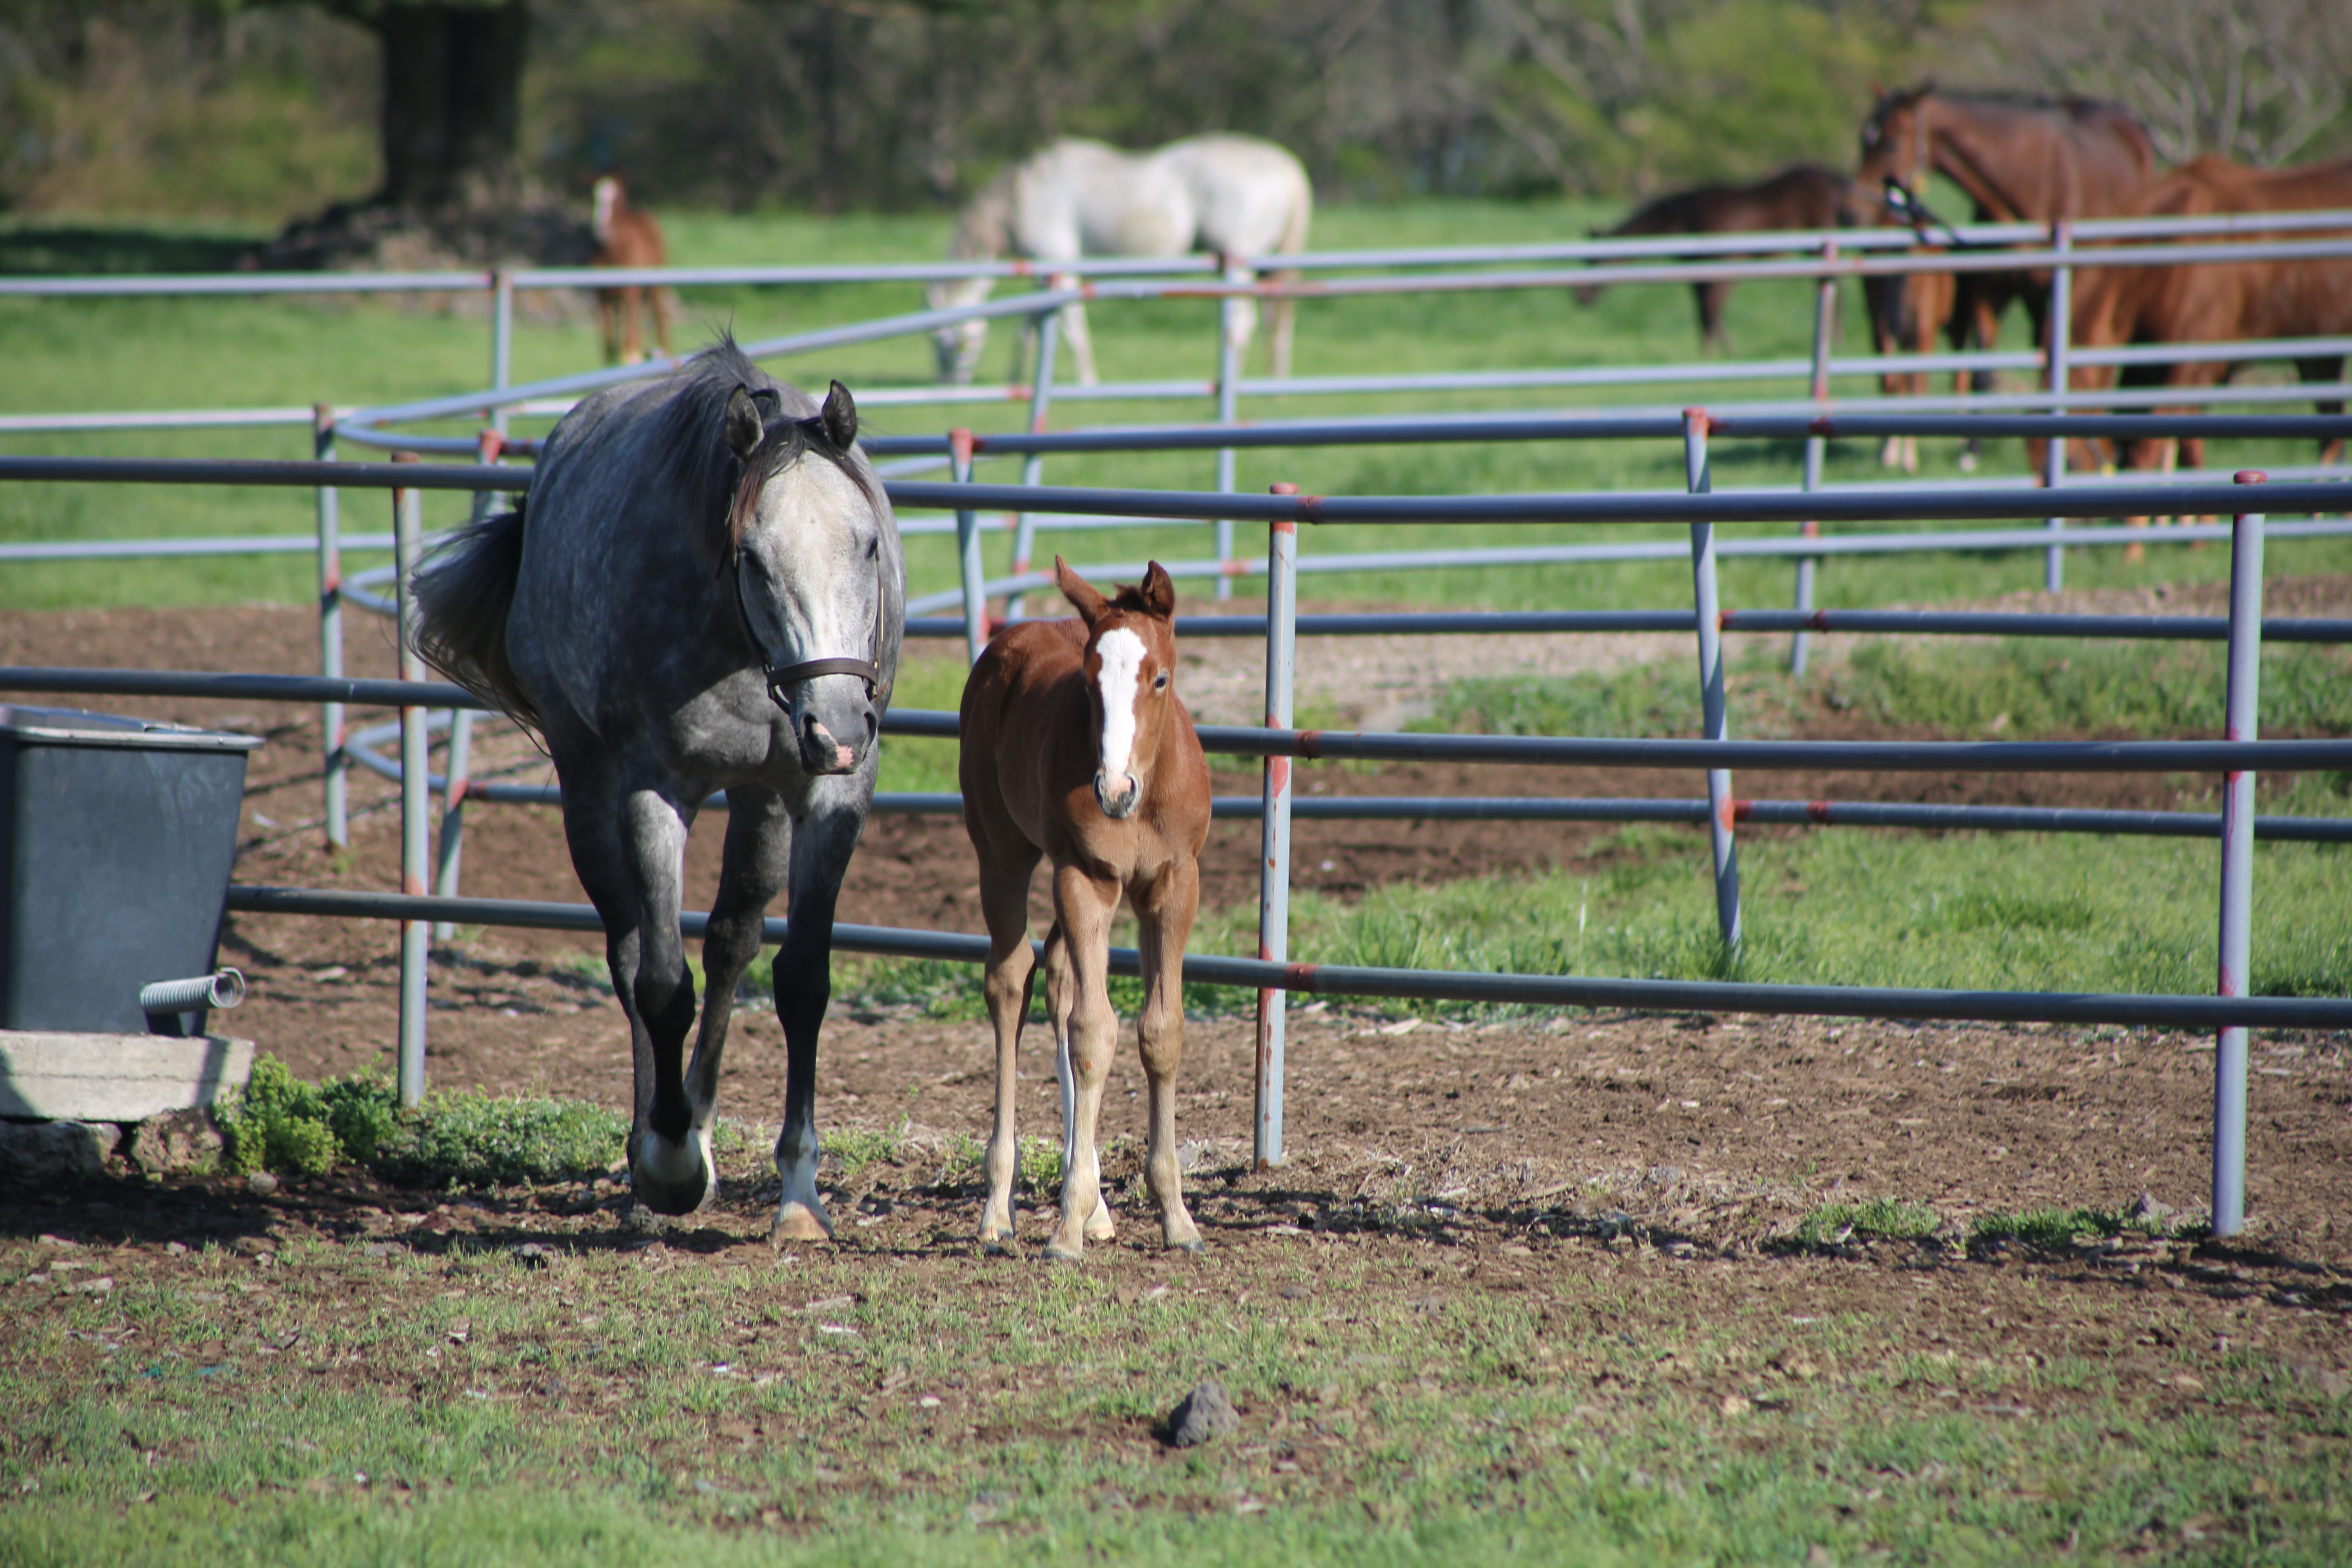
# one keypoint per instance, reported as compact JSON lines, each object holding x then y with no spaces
{"x":1710,"y":674}
{"x":1033,"y":472}
{"x":2059,"y":329}
{"x":975,"y":586}
{"x":1229,"y":376}
{"x":2237,"y":866}
{"x":408,"y":528}
{"x":331,"y":634}
{"x":1816,"y":448}
{"x":502,"y":342}
{"x":1273,"y":871}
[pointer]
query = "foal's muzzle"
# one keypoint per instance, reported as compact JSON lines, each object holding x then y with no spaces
{"x":1119,"y":803}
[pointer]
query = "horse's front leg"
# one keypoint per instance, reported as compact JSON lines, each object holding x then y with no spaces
{"x":821,"y":843}
{"x":757,"y":860}
{"x":626,"y":847}
{"x":1074,"y":332}
{"x":1083,"y":907}
{"x":1061,"y":1001}
{"x":1164,"y":920}
{"x":1011,"y":970}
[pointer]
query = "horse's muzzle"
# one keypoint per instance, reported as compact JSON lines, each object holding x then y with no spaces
{"x":1119,"y":804}
{"x":823,"y":752}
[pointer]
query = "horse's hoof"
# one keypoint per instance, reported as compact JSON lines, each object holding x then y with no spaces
{"x":1194,"y":1247}
{"x":798,"y":1222}
{"x":673,"y":1199}
{"x":1057,"y":1253}
{"x":997,"y":1246}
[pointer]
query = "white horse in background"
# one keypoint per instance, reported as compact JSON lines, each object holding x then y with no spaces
{"x":1233,"y":195}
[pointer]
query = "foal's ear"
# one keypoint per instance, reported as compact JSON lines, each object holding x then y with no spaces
{"x":1159,"y":591}
{"x":1081,"y":593}
{"x":743,"y":427}
{"x":840,"y":417}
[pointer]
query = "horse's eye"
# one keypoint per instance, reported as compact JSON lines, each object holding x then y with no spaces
{"x":1160,"y":684}
{"x":873,"y":548}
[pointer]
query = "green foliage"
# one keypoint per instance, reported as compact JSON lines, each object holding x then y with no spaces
{"x":1885,"y":1219}
{"x":854,"y":1148}
{"x":280,"y":1123}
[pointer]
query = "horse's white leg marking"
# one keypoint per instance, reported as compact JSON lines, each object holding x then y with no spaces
{"x":1164,"y":921}
{"x":801,"y":1215}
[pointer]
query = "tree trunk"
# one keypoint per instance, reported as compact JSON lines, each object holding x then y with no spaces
{"x":452,"y":97}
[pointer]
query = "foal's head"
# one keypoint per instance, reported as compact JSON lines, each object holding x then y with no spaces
{"x":1895,"y":140}
{"x":1131,"y":671}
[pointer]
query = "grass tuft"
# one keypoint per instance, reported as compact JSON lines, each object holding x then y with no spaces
{"x":2056,"y":1229}
{"x":1876,"y":1219}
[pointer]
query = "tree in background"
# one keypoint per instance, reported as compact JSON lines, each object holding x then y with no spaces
{"x":2261,"y":81}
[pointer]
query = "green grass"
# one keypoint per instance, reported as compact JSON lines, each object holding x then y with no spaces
{"x":2057,"y":1229}
{"x":1880,"y":1219}
{"x":1491,"y":1427}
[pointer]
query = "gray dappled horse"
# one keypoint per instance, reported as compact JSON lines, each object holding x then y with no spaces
{"x":704,"y":590}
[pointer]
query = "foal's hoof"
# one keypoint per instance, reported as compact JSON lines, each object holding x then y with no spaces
{"x":798,"y":1222}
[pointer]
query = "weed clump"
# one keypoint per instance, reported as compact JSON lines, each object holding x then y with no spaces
{"x":282,"y":1123}
{"x":1873,"y":1219}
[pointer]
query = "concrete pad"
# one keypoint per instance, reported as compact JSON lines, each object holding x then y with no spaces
{"x":115,"y":1077}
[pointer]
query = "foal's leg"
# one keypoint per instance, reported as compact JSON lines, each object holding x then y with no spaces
{"x":757,"y":855}
{"x":821,"y":843}
{"x":1083,"y":905}
{"x":1061,"y":1000}
{"x":1005,"y":873}
{"x":1164,"y":916}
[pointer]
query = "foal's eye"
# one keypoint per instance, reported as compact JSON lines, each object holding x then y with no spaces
{"x":1160,"y":684}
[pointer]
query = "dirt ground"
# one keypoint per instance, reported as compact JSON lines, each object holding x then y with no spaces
{"x":1963,"y":1118}
{"x":1534,"y":1155}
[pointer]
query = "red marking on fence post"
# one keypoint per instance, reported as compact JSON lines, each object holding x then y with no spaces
{"x":1818,"y":810}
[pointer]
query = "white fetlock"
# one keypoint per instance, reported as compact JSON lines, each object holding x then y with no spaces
{"x":674,"y":1178}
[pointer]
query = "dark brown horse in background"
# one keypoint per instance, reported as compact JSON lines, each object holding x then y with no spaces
{"x":2019,"y":159}
{"x":1908,"y":312}
{"x":1802,"y":196}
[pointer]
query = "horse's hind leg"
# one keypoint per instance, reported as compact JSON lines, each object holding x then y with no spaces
{"x":822,"y":844}
{"x":1164,"y":920}
{"x":758,"y":856}
{"x":1011,"y":971}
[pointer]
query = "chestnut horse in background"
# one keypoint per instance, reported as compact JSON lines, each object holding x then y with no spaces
{"x":1076,"y":747}
{"x":2232,"y":302}
{"x":1802,"y":196}
{"x":2019,"y":159}
{"x":626,"y":237}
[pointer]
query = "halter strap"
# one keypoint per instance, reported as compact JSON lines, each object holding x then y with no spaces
{"x":777,"y":679}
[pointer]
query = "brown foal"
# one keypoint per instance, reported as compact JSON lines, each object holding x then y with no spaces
{"x":1076,"y":748}
{"x":627,"y":238}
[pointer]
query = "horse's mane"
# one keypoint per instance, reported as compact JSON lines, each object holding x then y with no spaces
{"x":720,"y":490}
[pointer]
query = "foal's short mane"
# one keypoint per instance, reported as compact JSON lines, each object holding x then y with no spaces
{"x":720,"y":491}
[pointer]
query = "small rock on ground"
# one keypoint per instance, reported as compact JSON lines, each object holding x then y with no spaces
{"x":1205,"y":1414}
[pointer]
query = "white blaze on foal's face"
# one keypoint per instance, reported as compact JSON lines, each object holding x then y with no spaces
{"x":1121,"y":683}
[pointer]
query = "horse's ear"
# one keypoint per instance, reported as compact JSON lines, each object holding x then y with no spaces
{"x":840,"y":417}
{"x":743,"y":427}
{"x":1089,"y":604}
{"x":1159,"y":591}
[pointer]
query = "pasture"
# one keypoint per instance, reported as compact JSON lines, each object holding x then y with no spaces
{"x":1532,"y":1286}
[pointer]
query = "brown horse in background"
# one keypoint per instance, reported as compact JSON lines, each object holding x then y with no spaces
{"x":2231,"y":301}
{"x":2019,"y":161}
{"x":626,"y":237}
{"x":1075,"y":748}
{"x":1802,"y":196}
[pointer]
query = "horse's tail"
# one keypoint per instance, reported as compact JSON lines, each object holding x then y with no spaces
{"x":464,"y":591}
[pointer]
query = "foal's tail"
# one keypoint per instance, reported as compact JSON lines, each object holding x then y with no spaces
{"x":464,"y":590}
